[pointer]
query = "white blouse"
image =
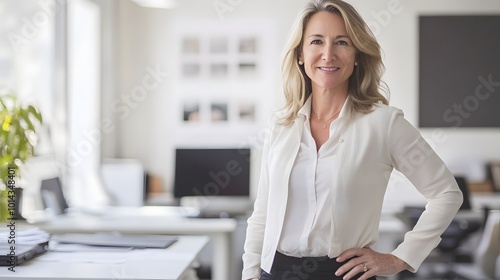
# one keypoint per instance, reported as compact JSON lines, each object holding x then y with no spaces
{"x":371,"y":146}
{"x":306,"y":229}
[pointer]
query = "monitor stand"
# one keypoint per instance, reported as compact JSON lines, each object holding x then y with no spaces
{"x":219,"y":206}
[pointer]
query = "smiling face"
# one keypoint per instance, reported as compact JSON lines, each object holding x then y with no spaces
{"x":327,"y":52}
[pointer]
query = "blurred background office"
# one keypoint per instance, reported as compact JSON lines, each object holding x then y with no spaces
{"x":129,"y":83}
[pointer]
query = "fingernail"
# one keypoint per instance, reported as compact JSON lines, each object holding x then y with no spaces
{"x":339,"y":259}
{"x":337,"y":273}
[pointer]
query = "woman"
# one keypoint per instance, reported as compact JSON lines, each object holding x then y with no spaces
{"x":328,"y":158}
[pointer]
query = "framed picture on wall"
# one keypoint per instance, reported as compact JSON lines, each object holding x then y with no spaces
{"x":246,"y":112}
{"x":248,"y":45}
{"x":218,"y":112}
{"x":191,"y":70}
{"x":191,"y":45}
{"x":221,"y":79}
{"x":247,"y":68}
{"x":191,"y":112}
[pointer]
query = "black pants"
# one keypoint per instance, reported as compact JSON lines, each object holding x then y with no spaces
{"x":311,"y":268}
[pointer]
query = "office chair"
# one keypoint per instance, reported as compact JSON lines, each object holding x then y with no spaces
{"x":459,"y":229}
{"x":488,"y":253}
{"x":454,"y":236}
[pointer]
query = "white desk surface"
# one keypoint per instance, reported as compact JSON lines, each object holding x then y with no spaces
{"x":153,"y":220}
{"x":140,"y":225}
{"x":140,"y":264}
{"x":145,"y":220}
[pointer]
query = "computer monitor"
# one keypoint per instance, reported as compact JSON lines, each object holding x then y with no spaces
{"x":53,"y":196}
{"x":212,"y":172}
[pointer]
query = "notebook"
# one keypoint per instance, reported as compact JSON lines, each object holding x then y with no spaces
{"x":114,"y":240}
{"x":21,"y":254}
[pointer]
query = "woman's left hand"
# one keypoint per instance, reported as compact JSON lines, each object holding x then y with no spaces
{"x":370,"y":263}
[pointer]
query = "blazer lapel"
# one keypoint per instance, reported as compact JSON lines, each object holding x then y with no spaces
{"x":286,"y":148}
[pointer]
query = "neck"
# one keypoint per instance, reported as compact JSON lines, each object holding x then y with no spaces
{"x":326,"y":104}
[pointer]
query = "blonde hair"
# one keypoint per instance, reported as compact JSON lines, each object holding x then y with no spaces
{"x":365,"y":85}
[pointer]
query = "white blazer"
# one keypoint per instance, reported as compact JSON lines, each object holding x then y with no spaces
{"x":372,"y":145}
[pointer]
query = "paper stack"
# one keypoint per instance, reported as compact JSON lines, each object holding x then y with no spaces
{"x":29,"y":236}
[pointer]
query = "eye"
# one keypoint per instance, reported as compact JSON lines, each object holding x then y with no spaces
{"x":343,"y":43}
{"x":316,"y":42}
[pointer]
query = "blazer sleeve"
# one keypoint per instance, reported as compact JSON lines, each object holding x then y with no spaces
{"x":257,"y":221}
{"x":412,"y":156}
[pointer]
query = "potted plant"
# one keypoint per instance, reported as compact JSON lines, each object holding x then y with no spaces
{"x":18,"y":124}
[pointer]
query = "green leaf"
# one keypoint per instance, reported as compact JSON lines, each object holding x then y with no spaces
{"x":25,"y":115}
{"x":18,"y":122}
{"x":22,"y":147}
{"x":37,"y":114}
{"x":4,"y":161}
{"x":3,"y":103}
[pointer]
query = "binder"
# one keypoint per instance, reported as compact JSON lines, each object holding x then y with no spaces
{"x":15,"y":254}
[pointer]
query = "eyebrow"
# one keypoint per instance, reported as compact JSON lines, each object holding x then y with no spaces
{"x":321,"y":36}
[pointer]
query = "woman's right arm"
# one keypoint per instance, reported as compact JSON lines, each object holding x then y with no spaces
{"x":257,"y":221}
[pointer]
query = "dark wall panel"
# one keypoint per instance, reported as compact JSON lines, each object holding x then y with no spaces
{"x":459,"y":71}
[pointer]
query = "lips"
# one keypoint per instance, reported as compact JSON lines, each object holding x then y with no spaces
{"x":328,"y":69}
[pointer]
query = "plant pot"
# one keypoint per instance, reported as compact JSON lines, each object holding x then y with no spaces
{"x":10,"y":204}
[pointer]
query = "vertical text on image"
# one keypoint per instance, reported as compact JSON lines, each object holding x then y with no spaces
{"x":11,"y":184}
{"x":11,"y":194}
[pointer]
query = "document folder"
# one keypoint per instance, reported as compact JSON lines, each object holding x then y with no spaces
{"x":116,"y":240}
{"x":16,"y":254}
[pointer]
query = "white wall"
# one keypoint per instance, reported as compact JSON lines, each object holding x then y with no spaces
{"x":145,"y":41}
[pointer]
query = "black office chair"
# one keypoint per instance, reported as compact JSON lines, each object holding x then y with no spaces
{"x":454,"y":236}
{"x":459,"y":229}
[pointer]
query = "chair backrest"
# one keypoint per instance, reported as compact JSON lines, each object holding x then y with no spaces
{"x":462,"y":184}
{"x":124,"y":180}
{"x":488,"y":251}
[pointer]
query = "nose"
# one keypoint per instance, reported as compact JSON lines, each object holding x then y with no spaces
{"x":329,"y":53}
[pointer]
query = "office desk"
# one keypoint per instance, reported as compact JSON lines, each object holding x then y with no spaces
{"x":172,"y":263}
{"x":154,"y":220}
